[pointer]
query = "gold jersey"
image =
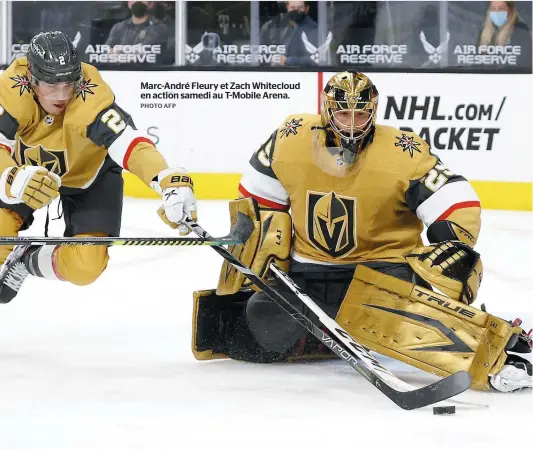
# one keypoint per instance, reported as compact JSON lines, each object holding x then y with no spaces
{"x":376,"y":213}
{"x":75,"y":144}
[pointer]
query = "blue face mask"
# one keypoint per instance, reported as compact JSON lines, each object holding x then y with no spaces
{"x":499,"y":18}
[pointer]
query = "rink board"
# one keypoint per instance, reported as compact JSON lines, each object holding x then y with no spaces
{"x":211,"y":122}
{"x":471,"y":122}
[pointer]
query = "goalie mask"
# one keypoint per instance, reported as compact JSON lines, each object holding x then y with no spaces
{"x":349,"y":107}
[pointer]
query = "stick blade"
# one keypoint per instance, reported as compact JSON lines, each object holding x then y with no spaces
{"x":243,"y":228}
{"x":435,"y":392}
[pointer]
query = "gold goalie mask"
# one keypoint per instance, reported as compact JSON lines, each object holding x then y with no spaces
{"x":349,"y":107}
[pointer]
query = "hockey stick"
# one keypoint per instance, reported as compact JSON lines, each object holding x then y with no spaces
{"x":235,"y":237}
{"x":119,"y":241}
{"x":350,"y":351}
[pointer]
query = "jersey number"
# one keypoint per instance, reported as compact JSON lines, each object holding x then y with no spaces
{"x":113,"y":119}
{"x":437,"y":177}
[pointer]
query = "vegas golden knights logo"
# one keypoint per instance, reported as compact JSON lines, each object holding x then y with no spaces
{"x":331,"y":226}
{"x":53,"y":160}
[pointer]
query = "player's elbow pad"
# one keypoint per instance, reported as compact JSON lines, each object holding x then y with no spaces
{"x":269,"y":242}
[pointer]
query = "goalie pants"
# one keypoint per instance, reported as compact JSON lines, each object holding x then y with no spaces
{"x":277,"y":332}
{"x":95,"y":211}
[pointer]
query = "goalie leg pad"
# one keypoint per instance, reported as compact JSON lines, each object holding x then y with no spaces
{"x":424,"y":329}
{"x":220,"y":329}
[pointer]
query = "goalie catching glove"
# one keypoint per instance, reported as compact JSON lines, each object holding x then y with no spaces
{"x":451,"y":266}
{"x":33,"y":185}
{"x":176,"y":188}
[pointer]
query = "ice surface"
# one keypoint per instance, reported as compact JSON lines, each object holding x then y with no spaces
{"x":109,"y":366}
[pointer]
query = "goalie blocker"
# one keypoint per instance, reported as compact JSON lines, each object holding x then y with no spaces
{"x":436,"y":333}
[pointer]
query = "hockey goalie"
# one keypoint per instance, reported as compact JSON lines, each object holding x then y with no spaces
{"x":340,"y":203}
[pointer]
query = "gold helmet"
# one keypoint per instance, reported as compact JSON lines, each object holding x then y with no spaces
{"x":349,"y":107}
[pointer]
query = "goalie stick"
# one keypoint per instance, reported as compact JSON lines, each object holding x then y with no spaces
{"x":342,"y":344}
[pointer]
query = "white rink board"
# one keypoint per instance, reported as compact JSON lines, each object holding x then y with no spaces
{"x":219,"y":135}
{"x":212,"y":135}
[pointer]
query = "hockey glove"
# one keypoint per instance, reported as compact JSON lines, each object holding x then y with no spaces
{"x":451,"y":266}
{"x":33,"y":185}
{"x":176,"y":187}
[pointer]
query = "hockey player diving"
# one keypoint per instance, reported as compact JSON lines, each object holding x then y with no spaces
{"x":62,"y":134}
{"x":340,"y":203}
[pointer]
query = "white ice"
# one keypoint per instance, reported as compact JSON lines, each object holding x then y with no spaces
{"x":109,"y":366}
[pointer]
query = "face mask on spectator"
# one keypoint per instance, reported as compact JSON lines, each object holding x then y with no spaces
{"x":296,"y":16}
{"x":139,"y":9}
{"x":499,"y":18}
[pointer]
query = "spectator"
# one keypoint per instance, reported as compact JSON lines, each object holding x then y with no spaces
{"x":165,"y":12}
{"x":140,"y":28}
{"x":503,"y":26}
{"x":287,"y":29}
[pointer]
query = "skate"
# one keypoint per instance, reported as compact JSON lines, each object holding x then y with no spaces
{"x":13,"y":273}
{"x":515,"y":375}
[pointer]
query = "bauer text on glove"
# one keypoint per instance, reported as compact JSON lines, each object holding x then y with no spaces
{"x":176,"y":187}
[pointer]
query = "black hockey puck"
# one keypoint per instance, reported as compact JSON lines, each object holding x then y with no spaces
{"x":450,"y":410}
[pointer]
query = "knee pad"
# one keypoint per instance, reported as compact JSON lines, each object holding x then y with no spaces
{"x":272,"y":327}
{"x":81,"y":265}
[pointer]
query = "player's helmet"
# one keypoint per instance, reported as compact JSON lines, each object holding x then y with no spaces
{"x":349,"y":107}
{"x":52,"y":59}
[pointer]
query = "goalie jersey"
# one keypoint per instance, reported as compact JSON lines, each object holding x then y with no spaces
{"x":377,"y":213}
{"x":76,"y":144}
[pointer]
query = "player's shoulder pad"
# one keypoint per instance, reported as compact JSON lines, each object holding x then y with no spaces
{"x":406,"y":149}
{"x":16,"y":95}
{"x":92,"y":96}
{"x":295,"y":133}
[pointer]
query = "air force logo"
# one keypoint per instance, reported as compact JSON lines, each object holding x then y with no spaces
{"x":318,"y":54}
{"x":435,"y":53}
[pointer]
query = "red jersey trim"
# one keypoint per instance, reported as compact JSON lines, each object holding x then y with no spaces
{"x":7,"y":148}
{"x":131,"y":146}
{"x":457,"y":206}
{"x":262,"y":201}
